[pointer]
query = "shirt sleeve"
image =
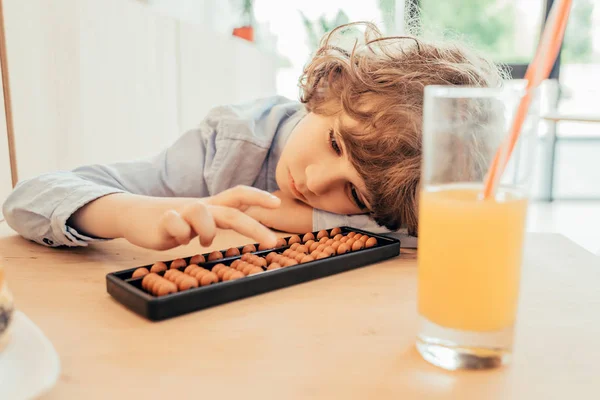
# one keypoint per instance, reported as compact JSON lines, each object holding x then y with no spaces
{"x":38,"y":208}
{"x":227,"y":149}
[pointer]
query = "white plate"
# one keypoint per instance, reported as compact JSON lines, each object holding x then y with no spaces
{"x":29,"y":365}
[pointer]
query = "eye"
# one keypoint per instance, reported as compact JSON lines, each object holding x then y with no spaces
{"x":357,"y":201}
{"x":334,"y":144}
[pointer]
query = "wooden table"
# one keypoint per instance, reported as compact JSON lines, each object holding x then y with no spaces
{"x":350,"y":336}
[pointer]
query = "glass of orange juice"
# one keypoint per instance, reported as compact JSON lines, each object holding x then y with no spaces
{"x":470,"y":248}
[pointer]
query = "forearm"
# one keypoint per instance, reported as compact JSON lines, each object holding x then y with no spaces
{"x":292,"y":219}
{"x":108,"y":216}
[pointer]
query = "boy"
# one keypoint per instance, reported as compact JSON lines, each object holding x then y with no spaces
{"x":347,"y":154}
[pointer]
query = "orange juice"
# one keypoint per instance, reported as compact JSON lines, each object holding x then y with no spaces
{"x":469,"y":257}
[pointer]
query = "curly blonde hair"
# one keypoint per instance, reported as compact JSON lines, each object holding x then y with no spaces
{"x":379,"y":84}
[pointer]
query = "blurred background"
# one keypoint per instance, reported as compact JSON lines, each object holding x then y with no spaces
{"x":98,"y":81}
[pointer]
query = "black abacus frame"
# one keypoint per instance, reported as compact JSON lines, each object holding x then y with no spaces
{"x":128,"y":291}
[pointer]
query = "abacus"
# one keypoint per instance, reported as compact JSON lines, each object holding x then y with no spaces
{"x":167,"y":289}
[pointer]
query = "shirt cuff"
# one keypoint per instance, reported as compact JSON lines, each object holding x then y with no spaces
{"x":65,"y":235}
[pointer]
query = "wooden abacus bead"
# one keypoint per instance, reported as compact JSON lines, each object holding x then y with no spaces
{"x":178,"y":263}
{"x":371,"y":242}
{"x":289,"y":262}
{"x":351,"y":234}
{"x":147,"y":280}
{"x":174,"y":275}
{"x":197,"y":259}
{"x":328,"y":251}
{"x":307,"y":237}
{"x":276,"y":259}
{"x":364,"y":238}
{"x":338,"y":237}
{"x":329,"y":242}
{"x":222,"y":271}
{"x":270,"y":256}
{"x":201,"y":273}
{"x":138,"y":273}
{"x":236,"y":275}
{"x":168,"y":274}
{"x":320,"y":256}
{"x":249,"y":248}
{"x":164,"y":288}
{"x":235,"y":263}
{"x":294,"y":239}
{"x":246,"y":256}
{"x":158,"y":267}
{"x":227,"y":275}
{"x":321,"y":247}
{"x":323,"y":240}
{"x":238,"y":266}
{"x":335,"y":246}
{"x":358,"y":245}
{"x":196,"y":271}
{"x":314,"y":246}
{"x":190,"y":269}
{"x":357,"y":236}
{"x":158,"y":285}
{"x":247,"y":268}
{"x":350,"y":242}
{"x":183,"y":281}
{"x":299,"y":257}
{"x":294,"y":246}
{"x":273,"y":266}
{"x":280,"y":243}
{"x":322,"y":234}
{"x":344,"y":239}
{"x":335,"y":231}
{"x":208,"y":279}
{"x":217,"y":268}
{"x":215,"y":255}
{"x":287,"y":252}
{"x":302,"y":249}
{"x":232,"y":252}
{"x":262,"y":246}
{"x":309,"y":243}
{"x":344,"y":248}
{"x":306,"y":258}
{"x":189,"y":282}
{"x":152,"y":286}
{"x":261,"y":262}
{"x":255,"y":270}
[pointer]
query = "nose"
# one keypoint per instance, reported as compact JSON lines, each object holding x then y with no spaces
{"x":322,"y":177}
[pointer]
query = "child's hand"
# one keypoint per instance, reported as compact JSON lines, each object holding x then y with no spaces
{"x":164,"y":223}
{"x":291,"y":216}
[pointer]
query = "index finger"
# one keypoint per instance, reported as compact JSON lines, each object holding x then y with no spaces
{"x":243,"y":196}
{"x":231,"y":218}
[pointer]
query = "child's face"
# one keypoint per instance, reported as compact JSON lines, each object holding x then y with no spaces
{"x":314,"y":168}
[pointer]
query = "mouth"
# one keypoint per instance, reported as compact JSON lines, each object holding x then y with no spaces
{"x":294,"y":189}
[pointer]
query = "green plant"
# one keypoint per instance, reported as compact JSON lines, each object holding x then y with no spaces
{"x":578,"y":46}
{"x":319,"y":27}
{"x":246,"y":9}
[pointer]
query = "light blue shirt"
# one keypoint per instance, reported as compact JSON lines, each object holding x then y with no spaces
{"x":234,"y":145}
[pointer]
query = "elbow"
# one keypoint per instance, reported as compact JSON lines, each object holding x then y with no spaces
{"x":18,"y":215}
{"x":8,"y":210}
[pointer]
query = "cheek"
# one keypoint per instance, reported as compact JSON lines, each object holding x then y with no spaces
{"x":299,"y":150}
